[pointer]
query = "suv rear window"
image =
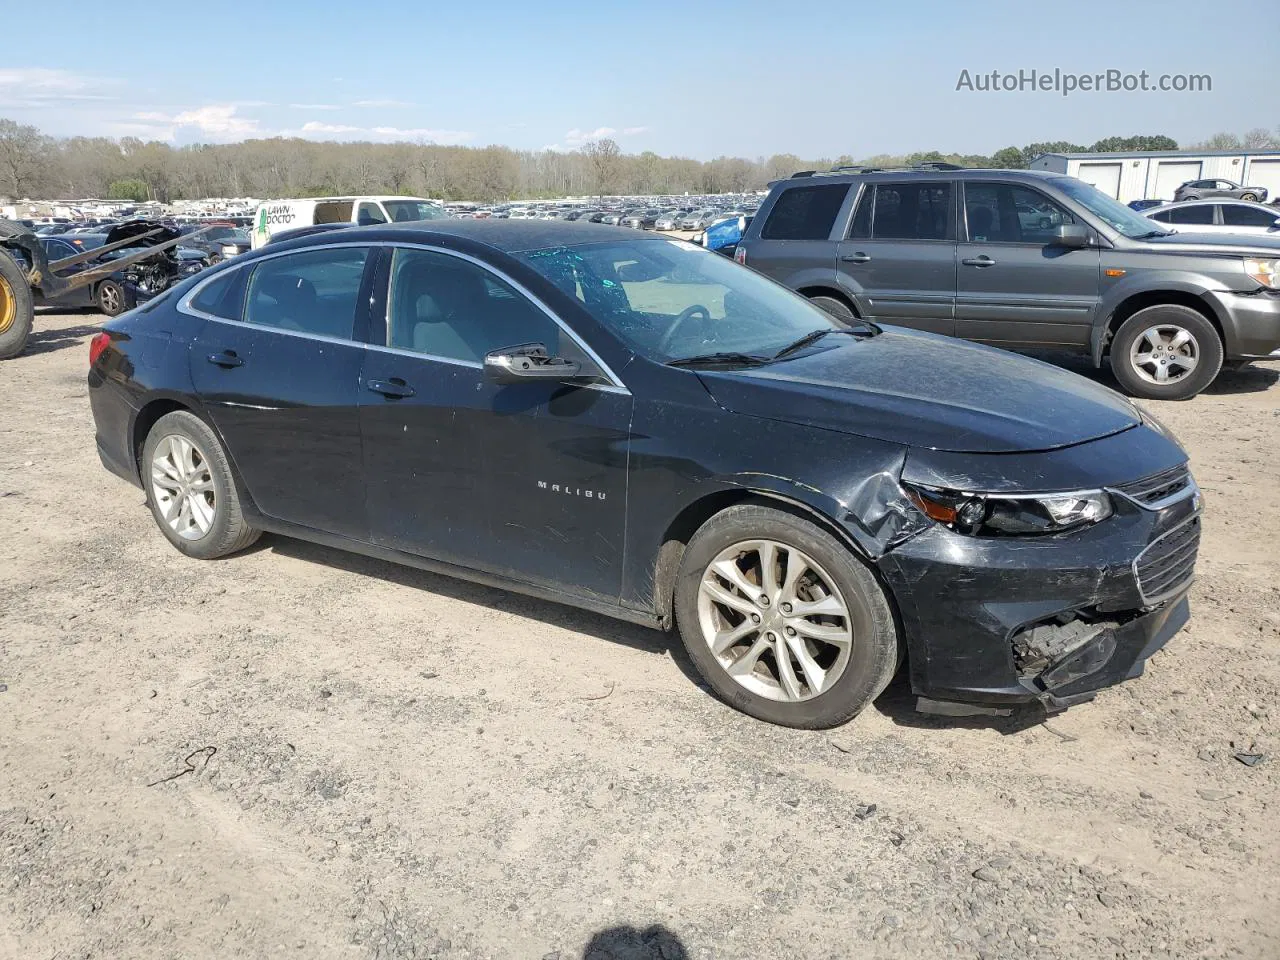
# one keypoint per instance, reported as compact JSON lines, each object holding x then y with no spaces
{"x":805,"y":213}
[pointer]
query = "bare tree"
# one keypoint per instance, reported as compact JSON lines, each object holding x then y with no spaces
{"x":1260,"y":138}
{"x":604,"y":158}
{"x":24,"y":158}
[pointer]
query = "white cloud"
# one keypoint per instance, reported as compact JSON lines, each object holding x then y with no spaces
{"x":218,"y":121}
{"x":446,"y":137}
{"x":576,"y":138}
{"x":32,"y":86}
{"x":315,"y":126}
{"x":382,"y":103}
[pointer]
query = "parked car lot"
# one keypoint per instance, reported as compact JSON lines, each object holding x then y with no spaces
{"x":402,"y":759}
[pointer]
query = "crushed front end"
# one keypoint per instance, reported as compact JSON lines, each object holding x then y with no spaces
{"x":1007,"y":619}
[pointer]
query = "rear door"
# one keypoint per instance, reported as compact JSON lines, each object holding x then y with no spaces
{"x":278,"y":369}
{"x":1195,"y":218}
{"x":898,"y":262}
{"x":1240,"y":217}
{"x":1015,"y":285}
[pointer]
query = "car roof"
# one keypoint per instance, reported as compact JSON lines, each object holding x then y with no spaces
{"x":1212,"y":202}
{"x":912,"y":173}
{"x":507,"y":236}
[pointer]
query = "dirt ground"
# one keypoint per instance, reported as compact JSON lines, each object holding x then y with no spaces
{"x":390,"y":764}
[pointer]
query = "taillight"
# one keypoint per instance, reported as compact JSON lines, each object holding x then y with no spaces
{"x":99,"y":343}
{"x":740,"y":255}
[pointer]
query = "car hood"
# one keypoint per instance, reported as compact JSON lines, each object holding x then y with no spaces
{"x":929,"y":391}
{"x":1231,"y":243}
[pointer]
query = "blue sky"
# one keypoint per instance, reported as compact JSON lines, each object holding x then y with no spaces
{"x":692,"y":78}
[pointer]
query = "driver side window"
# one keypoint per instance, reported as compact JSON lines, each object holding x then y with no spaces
{"x":452,"y":309}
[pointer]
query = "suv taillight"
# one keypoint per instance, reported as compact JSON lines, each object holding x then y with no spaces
{"x":740,"y":255}
{"x":99,"y":343}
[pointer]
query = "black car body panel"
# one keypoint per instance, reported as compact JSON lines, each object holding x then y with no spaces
{"x":586,"y":493}
{"x":873,"y":388}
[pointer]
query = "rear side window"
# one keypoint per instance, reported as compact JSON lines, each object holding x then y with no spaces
{"x":222,"y":296}
{"x":1162,"y":216}
{"x":805,"y":213}
{"x":1240,"y":216}
{"x":912,"y":211}
{"x":312,"y":291}
{"x":1201,"y":213}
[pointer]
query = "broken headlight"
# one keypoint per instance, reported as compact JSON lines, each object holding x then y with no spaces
{"x":1010,"y":515}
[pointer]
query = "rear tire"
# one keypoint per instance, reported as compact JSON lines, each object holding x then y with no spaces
{"x":16,"y":307}
{"x":1249,"y":196}
{"x":856,"y":650}
{"x":213,"y":526}
{"x":110,"y":298}
{"x":836,"y":308}
{"x":1170,"y":322}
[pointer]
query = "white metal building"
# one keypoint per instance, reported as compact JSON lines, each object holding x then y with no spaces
{"x":1154,"y":175}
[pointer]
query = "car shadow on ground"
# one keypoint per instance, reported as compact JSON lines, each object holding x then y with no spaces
{"x":898,"y":703}
{"x":47,"y":341}
{"x":546,"y":611}
{"x":654,"y":942}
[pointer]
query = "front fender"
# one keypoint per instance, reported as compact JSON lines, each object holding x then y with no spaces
{"x":1154,"y":282}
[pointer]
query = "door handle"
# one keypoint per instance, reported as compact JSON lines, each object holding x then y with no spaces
{"x":982,"y":261}
{"x":227,"y":359}
{"x":856,"y":258}
{"x":393,"y":389}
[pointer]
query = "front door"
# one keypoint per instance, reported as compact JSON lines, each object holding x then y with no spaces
{"x":278,"y":370}
{"x":1016,"y":286}
{"x":526,"y":481}
{"x":899,"y":260}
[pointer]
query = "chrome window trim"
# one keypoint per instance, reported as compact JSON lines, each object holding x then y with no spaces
{"x":616,"y":382}
{"x":184,"y":306}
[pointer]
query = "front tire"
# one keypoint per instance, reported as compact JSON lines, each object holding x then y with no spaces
{"x":1249,"y":196}
{"x":16,"y":308}
{"x":1166,"y":352}
{"x":782,"y":620}
{"x":836,"y":308}
{"x":190,"y":488}
{"x":110,"y":298}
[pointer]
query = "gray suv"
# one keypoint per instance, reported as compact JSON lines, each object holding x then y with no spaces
{"x":1021,"y":258}
{"x":1199,"y":189}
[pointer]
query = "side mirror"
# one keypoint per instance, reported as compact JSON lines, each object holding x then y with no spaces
{"x":1071,"y":235}
{"x":526,"y":362}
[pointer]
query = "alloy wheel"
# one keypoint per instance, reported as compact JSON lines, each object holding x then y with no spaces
{"x":775,"y":620}
{"x":110,"y":299}
{"x":1164,"y":354}
{"x":182,"y":486}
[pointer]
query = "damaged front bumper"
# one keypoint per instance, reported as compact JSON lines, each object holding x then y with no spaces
{"x":1008,"y":621}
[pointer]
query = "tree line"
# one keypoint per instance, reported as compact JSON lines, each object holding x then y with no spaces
{"x":37,"y":166}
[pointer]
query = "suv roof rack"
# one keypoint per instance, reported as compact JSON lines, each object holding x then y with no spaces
{"x":853,"y":168}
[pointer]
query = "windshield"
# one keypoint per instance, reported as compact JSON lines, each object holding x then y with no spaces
{"x":404,"y":211}
{"x":1129,"y":222}
{"x":671,"y":300}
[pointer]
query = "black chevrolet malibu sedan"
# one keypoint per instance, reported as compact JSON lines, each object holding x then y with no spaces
{"x":639,"y":427}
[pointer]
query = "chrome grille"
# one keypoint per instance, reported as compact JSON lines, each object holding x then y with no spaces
{"x":1151,"y":491}
{"x":1168,"y":564}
